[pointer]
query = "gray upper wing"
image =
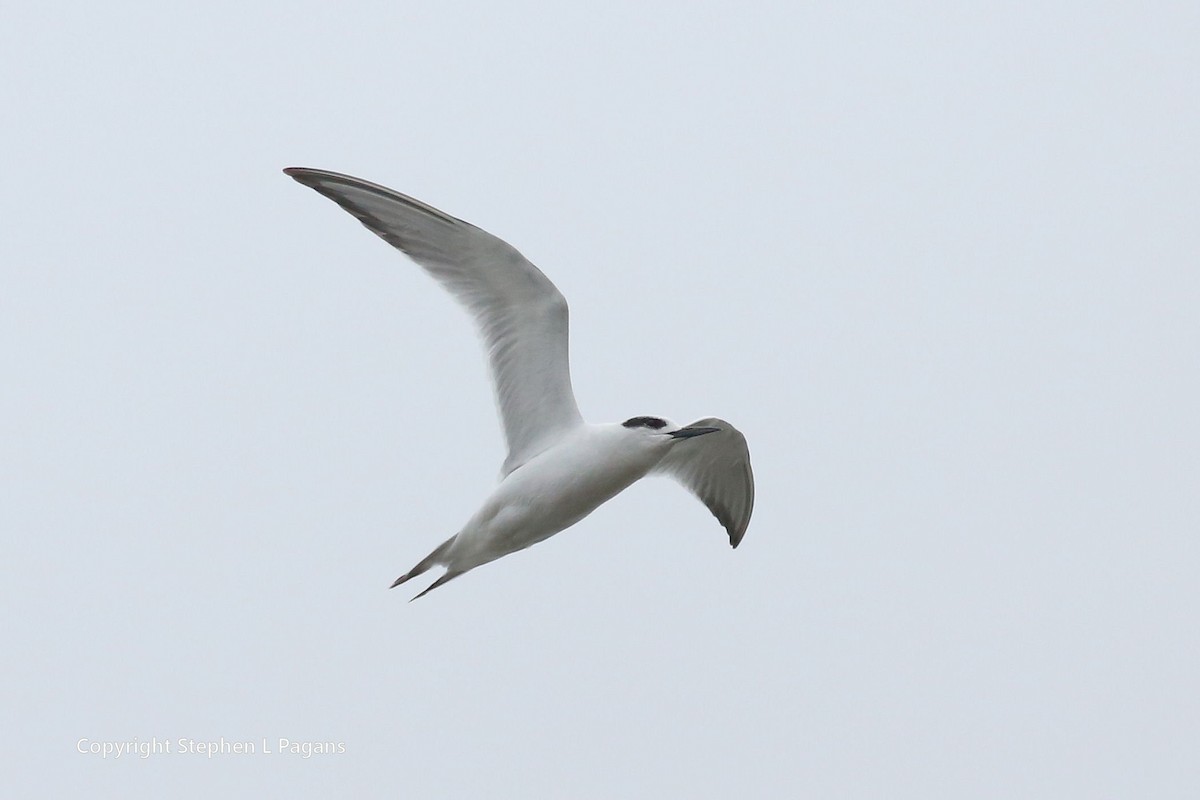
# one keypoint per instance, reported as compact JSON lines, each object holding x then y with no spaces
{"x":521,"y":315}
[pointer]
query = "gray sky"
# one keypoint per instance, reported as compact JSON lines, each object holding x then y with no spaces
{"x":937,"y":260}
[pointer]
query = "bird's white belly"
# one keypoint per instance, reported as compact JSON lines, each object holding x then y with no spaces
{"x":546,"y":495}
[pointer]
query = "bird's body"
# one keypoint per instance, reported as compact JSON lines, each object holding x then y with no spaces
{"x":559,"y":469}
{"x":556,"y":489}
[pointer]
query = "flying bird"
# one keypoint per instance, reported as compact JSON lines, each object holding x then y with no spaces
{"x":559,"y":469}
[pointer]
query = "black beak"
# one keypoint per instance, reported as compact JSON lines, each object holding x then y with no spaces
{"x":687,"y":433}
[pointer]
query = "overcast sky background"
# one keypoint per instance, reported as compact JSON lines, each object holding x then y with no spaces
{"x":938,"y":261}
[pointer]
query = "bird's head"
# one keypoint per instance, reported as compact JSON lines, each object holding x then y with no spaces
{"x":659,"y":430}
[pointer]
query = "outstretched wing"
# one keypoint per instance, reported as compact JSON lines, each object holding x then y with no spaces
{"x":716,"y":468}
{"x":520,"y":313}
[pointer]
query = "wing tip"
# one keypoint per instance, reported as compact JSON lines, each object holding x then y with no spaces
{"x":304,"y":175}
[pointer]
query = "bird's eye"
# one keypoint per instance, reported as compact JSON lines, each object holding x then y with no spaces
{"x":645,"y":422}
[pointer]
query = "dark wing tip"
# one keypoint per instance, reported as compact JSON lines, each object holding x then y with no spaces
{"x":304,"y":175}
{"x":311,"y":177}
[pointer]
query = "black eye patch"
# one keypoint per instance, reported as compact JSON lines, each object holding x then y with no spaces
{"x":645,"y":422}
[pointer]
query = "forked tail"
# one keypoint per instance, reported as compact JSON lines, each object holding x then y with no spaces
{"x":449,"y":576}
{"x":434,"y":558}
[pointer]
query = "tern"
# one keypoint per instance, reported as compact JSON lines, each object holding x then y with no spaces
{"x":559,"y":469}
